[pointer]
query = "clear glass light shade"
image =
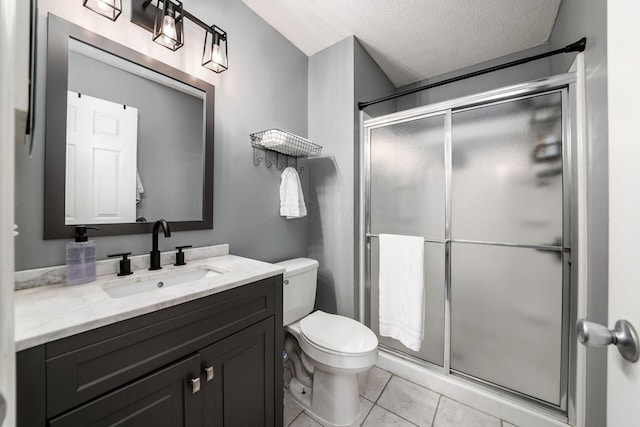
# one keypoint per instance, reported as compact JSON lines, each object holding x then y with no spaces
{"x":168,"y":24}
{"x":215,"y":50}
{"x":108,"y":8}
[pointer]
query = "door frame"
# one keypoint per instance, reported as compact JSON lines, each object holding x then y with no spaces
{"x":10,"y":92}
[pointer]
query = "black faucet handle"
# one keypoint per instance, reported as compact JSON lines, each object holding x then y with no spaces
{"x":125,"y":263}
{"x":180,"y":255}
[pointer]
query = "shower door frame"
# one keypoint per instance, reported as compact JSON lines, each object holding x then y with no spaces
{"x":564,"y":83}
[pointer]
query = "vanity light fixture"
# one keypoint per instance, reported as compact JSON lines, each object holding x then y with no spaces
{"x":108,"y":8}
{"x":215,"y":50}
{"x":165,"y":20}
{"x":168,"y":29}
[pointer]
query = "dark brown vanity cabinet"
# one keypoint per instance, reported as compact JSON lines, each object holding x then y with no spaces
{"x":214,"y":361}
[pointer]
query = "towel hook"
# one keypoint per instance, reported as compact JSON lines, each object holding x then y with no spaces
{"x":270,"y":155}
{"x":281,"y":164}
{"x":293,"y":162}
{"x":257,"y":158}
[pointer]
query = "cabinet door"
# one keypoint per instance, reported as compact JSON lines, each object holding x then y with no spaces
{"x":164,"y":398}
{"x":239,"y":392}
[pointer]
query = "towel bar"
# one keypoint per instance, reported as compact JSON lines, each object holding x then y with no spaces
{"x":425,"y":240}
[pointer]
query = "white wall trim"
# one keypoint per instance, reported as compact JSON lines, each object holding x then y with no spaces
{"x":11,"y":86}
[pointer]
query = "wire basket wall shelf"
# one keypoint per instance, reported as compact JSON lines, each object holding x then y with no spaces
{"x":282,"y":148}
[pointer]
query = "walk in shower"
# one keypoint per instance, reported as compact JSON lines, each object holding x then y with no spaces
{"x":487,"y":181}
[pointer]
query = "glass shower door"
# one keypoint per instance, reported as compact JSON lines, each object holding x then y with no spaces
{"x":407,"y":196}
{"x":507,"y":293}
{"x":484,"y":184}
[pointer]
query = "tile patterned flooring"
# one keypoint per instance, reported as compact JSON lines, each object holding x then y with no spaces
{"x":388,"y":400}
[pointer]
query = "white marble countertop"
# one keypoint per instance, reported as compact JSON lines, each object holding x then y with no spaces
{"x":48,"y":313}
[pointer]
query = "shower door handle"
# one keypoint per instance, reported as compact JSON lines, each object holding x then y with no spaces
{"x":624,"y":336}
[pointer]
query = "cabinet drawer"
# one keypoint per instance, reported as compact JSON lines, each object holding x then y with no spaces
{"x":87,"y":365}
{"x":163,"y":398}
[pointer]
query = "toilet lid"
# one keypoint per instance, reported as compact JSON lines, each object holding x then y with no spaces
{"x":338,"y":333}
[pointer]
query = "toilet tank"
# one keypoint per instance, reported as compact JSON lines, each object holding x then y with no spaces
{"x":299,"y":288}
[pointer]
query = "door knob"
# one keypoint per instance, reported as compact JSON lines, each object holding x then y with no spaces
{"x":623,"y":335}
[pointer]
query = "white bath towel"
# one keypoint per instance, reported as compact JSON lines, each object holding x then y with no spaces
{"x":139,"y":187}
{"x":291,"y":197}
{"x":401,"y":286}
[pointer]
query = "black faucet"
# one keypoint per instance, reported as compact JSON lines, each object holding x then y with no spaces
{"x":155,"y":253}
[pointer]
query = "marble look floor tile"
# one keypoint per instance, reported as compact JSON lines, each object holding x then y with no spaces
{"x":372,"y":382}
{"x":410,"y":401}
{"x":380,"y":417}
{"x":365,"y":407}
{"x":304,"y":420}
{"x":506,"y":424}
{"x":291,"y":408}
{"x":454,"y":414}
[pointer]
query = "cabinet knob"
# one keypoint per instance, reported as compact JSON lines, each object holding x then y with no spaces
{"x":209,"y":372}
{"x":195,"y":385}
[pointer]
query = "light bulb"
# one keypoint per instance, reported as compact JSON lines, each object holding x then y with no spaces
{"x":169,"y":27}
{"x":104,"y":4}
{"x":216,"y":54}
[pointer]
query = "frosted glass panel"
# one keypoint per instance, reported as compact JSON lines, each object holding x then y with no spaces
{"x":507,"y":172}
{"x":432,"y":348}
{"x":506,"y":318}
{"x":407,"y":178}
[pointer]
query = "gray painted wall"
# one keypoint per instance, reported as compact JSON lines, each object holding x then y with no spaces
{"x":170,"y":136}
{"x":370,"y":83}
{"x":265,"y":87}
{"x":509,"y":76}
{"x":339,"y":76}
{"x":331,"y":177}
{"x":588,"y":18}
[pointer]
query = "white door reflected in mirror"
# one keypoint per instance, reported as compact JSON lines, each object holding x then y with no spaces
{"x":102,"y":141}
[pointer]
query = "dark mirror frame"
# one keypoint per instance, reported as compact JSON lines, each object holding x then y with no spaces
{"x":59,"y":33}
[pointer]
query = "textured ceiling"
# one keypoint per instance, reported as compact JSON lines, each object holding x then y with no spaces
{"x":413,"y":40}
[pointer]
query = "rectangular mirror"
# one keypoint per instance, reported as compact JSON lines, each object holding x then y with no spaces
{"x":129,"y":140}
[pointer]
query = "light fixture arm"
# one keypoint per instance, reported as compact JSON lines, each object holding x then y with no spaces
{"x":186,"y":14}
{"x":215,"y":54}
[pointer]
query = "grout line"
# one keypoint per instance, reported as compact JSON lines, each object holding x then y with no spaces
{"x":367,"y":416}
{"x":391,"y":412}
{"x":400,"y":416}
{"x":475,"y":409}
{"x":294,"y":420}
{"x":433,"y":420}
{"x":413,"y":382}
{"x":383,"y":389}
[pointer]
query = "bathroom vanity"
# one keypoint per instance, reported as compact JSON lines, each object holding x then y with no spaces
{"x":208,"y":352}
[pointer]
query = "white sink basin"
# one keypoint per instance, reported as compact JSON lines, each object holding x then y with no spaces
{"x":125,"y":287}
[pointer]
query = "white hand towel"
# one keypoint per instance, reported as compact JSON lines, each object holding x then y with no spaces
{"x":401,"y":287}
{"x":291,"y":197}
{"x":139,"y":187}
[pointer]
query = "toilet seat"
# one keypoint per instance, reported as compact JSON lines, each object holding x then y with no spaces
{"x":337,"y":341}
{"x":337,"y":333}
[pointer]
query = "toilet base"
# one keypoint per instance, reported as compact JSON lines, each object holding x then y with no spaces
{"x":334,"y":399}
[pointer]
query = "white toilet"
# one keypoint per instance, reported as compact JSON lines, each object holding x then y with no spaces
{"x":326,"y":351}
